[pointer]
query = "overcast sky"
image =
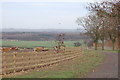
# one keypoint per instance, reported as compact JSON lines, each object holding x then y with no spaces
{"x":42,"y":15}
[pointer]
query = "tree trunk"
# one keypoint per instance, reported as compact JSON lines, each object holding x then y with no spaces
{"x":118,"y":9}
{"x":119,"y":36}
{"x":96,"y":45}
{"x":113,"y":45}
{"x":102,"y":44}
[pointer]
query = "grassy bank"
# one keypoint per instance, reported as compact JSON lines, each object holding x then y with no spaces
{"x":75,"y":68}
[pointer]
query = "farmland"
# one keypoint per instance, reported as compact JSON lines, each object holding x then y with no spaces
{"x":75,"y":62}
{"x":76,"y":68}
{"x":31,"y":44}
{"x":17,"y":62}
{"x":81,"y":61}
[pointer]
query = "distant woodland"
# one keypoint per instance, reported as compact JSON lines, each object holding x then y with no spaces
{"x":40,"y":36}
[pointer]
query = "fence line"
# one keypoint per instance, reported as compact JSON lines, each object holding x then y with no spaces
{"x":16,"y":62}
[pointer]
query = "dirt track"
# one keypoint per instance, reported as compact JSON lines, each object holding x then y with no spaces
{"x":108,"y":69}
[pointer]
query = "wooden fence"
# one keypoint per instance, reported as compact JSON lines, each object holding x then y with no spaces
{"x":16,"y":62}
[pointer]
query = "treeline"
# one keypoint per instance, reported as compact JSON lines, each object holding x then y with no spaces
{"x":40,"y":36}
{"x":103,"y":22}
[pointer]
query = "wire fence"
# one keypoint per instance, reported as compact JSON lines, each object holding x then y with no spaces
{"x":23,"y":61}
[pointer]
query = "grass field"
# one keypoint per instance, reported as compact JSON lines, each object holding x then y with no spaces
{"x":30,"y":44}
{"x":76,"y":68}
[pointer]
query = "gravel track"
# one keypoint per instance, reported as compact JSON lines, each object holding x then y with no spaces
{"x":107,"y":69}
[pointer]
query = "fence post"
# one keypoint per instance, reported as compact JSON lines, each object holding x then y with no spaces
{"x":14,"y":56}
{"x":4,"y":73}
{"x":29,"y":66}
{"x":36,"y":62}
{"x":22,"y":63}
{"x":0,"y":64}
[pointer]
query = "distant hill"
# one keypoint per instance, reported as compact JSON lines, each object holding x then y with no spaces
{"x":39,"y":30}
{"x":40,"y":34}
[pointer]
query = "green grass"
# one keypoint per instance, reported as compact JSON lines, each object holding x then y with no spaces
{"x":76,"y":68}
{"x":112,"y":51}
{"x":30,"y":44}
{"x":106,"y":50}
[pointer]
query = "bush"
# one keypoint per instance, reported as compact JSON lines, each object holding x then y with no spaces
{"x":77,"y":44}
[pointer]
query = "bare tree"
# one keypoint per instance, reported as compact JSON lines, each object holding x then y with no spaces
{"x":91,"y":25}
{"x":112,"y":30}
{"x":108,"y":10}
{"x":60,"y":43}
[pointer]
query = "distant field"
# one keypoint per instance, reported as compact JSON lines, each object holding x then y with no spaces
{"x":30,"y":44}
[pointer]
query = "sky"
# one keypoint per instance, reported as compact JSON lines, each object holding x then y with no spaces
{"x":42,"y":15}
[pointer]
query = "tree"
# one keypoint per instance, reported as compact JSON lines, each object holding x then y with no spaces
{"x":108,"y":10}
{"x":60,"y":42}
{"x":91,"y":25}
{"x":112,"y":30}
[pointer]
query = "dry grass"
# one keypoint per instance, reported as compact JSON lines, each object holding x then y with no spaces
{"x":75,"y":68}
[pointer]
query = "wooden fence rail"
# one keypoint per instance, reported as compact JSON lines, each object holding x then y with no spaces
{"x":16,"y":62}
